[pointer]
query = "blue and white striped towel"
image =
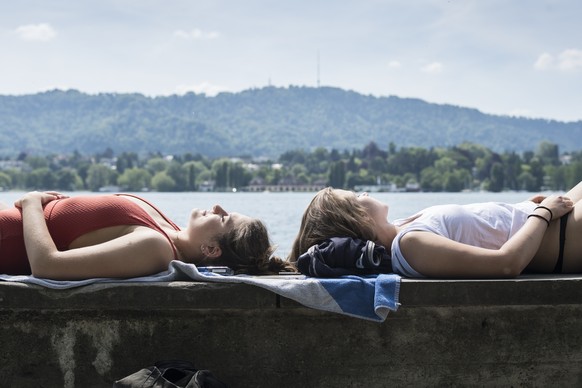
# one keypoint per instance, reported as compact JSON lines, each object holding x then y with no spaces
{"x":369,"y":297}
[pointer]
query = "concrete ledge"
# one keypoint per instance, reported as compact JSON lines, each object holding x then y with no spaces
{"x":525,"y":290}
{"x":518,"y":332}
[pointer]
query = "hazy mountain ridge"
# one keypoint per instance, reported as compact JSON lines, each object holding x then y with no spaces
{"x":258,"y":122}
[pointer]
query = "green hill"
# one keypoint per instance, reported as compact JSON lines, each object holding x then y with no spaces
{"x":257,"y":122}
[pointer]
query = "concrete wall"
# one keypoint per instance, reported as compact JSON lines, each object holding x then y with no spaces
{"x":523,"y":332}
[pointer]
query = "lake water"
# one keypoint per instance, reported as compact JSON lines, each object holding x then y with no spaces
{"x":282,"y":211}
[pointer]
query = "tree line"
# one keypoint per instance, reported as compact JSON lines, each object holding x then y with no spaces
{"x":466,"y":166}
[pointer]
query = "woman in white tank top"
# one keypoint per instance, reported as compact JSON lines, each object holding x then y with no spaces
{"x":486,"y":240}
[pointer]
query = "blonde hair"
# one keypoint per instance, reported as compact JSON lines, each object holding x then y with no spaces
{"x":332,"y":215}
{"x":247,"y":249}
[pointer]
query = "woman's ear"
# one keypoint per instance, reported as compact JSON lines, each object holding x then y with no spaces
{"x":213,"y":251}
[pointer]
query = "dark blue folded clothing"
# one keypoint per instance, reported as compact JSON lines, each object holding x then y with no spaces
{"x":340,"y":256}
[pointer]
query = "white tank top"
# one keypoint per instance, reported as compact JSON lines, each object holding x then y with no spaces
{"x":486,"y":225}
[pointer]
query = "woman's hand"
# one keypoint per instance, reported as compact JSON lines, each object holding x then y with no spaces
{"x":40,"y":247}
{"x":537,"y":198}
{"x":43,"y":197}
{"x":558,"y":204}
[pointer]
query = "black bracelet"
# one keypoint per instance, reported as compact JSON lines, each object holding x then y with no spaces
{"x":540,"y":217}
{"x":545,"y":208}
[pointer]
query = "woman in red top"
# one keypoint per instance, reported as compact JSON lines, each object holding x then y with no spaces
{"x":50,"y":235}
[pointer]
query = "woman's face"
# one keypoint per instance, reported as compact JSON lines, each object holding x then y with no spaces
{"x":377,"y":210}
{"x":206,"y":225}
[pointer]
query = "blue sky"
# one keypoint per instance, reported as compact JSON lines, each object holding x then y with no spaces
{"x":509,"y":57}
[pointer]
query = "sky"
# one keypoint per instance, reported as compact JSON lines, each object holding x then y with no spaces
{"x":505,"y":57}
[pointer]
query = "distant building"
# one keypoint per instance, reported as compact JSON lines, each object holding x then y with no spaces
{"x":285,"y":185}
{"x":388,"y":188}
{"x":206,"y":186}
{"x":110,"y":189}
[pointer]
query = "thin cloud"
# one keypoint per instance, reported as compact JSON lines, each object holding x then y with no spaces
{"x":432,"y":68}
{"x":42,"y":32}
{"x":544,"y":62}
{"x":196,"y":34}
{"x":567,"y":60}
{"x":394,"y":64}
{"x":570,"y":60}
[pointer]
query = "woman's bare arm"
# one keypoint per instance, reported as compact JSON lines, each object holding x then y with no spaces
{"x":575,"y":194}
{"x":436,"y":256}
{"x":139,"y":252}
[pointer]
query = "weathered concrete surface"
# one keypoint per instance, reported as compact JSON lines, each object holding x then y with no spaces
{"x":523,"y":332}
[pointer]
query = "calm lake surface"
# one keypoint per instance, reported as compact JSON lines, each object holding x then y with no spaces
{"x":282,"y":211}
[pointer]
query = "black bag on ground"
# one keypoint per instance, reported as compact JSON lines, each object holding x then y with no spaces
{"x":339,"y":256}
{"x":170,"y":374}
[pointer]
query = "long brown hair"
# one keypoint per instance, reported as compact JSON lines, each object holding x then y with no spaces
{"x":247,"y":249}
{"x":331,"y":215}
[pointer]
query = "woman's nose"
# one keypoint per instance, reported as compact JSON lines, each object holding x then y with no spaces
{"x":217,"y":209}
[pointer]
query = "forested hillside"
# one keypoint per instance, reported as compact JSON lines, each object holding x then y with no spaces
{"x":257,"y":122}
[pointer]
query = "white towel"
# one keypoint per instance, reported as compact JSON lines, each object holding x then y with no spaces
{"x":368,"y":297}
